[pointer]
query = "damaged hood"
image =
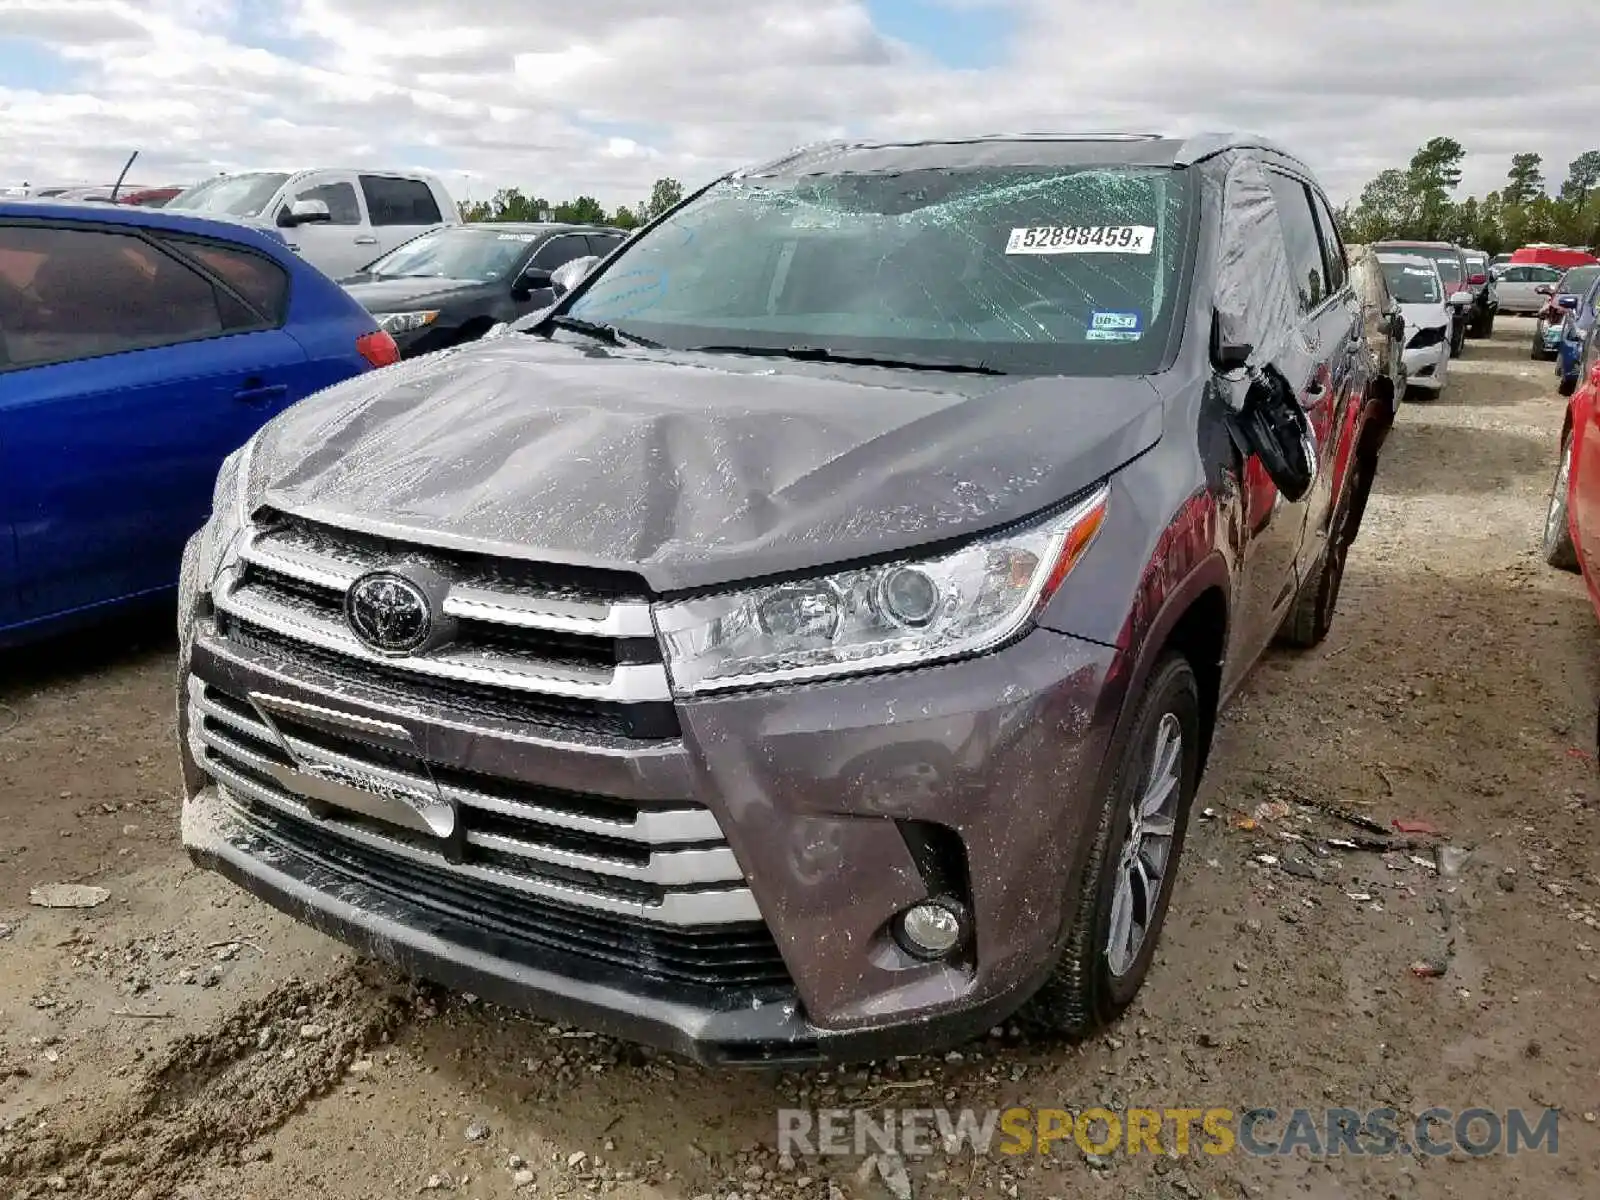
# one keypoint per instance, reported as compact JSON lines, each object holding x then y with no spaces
{"x":1425,"y":316}
{"x":690,"y":470}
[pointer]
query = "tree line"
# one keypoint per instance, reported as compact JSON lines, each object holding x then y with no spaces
{"x":1419,"y":201}
{"x":512,"y":204}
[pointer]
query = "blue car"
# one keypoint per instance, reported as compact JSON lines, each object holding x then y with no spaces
{"x":138,"y":348}
{"x":1579,"y":320}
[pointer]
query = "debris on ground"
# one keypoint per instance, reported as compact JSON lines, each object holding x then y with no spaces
{"x":68,"y":895}
{"x":1402,"y":825}
{"x":891,"y":1168}
{"x":1429,"y":968}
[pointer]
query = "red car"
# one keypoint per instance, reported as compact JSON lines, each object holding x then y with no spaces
{"x":1572,"y":521}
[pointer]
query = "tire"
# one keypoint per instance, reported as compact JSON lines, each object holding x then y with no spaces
{"x":1092,"y":984}
{"x":1311,"y":617}
{"x":1557,"y":540}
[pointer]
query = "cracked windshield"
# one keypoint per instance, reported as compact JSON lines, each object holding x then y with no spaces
{"x":1058,"y":271}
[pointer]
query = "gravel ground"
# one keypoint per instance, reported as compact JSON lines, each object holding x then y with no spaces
{"x":182,"y":1040}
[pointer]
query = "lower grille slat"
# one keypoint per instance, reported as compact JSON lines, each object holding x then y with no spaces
{"x":670,"y":866}
{"x":742,"y":957}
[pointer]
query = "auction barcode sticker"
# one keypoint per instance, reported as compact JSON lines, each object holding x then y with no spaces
{"x":1082,"y":239}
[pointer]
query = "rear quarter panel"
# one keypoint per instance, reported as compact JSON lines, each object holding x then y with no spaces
{"x":327,"y":322}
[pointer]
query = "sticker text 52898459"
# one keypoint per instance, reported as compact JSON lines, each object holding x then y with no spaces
{"x":1082,"y":239}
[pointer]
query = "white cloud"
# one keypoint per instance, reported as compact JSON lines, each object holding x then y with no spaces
{"x":504,"y":92}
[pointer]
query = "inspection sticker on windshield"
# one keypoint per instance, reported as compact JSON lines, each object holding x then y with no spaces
{"x":1121,"y":322}
{"x":1082,"y":239}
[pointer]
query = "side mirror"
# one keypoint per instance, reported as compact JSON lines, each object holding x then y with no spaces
{"x":1570,"y":303}
{"x":1461,"y":299}
{"x":1545,"y":289}
{"x":1478,"y":280}
{"x":568,"y":275}
{"x":1275,"y":428}
{"x":1397,"y":326}
{"x":303,"y":212}
{"x":532,"y":279}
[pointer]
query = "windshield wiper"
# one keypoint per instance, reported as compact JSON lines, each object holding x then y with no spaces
{"x":600,"y":331}
{"x":910,"y":362}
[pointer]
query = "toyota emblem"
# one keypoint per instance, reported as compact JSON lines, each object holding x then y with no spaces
{"x":389,"y":612}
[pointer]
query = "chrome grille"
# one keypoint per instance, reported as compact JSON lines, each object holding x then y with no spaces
{"x":666,"y":864}
{"x":574,"y":649}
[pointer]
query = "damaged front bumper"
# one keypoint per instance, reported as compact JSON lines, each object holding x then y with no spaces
{"x":842,"y":804}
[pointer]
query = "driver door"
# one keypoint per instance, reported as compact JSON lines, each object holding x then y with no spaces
{"x":343,"y":244}
{"x":1273,"y":526}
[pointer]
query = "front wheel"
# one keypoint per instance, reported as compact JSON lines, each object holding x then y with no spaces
{"x":1557,"y":543}
{"x":1133,"y":864}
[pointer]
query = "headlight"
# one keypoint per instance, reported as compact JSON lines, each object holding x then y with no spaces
{"x":899,"y":614}
{"x":406,"y":322}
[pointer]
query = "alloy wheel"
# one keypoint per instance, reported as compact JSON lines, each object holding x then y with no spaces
{"x":1555,"y":517}
{"x":1147,"y":852}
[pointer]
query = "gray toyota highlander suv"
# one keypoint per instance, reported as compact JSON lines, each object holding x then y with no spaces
{"x":804,"y":640}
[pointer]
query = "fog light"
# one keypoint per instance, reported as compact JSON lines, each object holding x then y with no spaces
{"x":930,"y":930}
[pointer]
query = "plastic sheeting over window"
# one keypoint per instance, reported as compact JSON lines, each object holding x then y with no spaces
{"x":1258,"y":304}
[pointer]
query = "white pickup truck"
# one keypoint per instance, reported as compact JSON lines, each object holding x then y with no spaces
{"x":337,"y":220}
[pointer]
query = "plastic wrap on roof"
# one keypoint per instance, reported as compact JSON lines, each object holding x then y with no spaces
{"x":1257,"y":304}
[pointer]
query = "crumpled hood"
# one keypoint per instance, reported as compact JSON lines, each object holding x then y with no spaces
{"x":1424,"y":316}
{"x":689,"y":470}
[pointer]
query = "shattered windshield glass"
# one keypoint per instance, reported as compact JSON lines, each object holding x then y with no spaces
{"x":1026,"y":270}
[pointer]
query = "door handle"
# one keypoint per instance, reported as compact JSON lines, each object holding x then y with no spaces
{"x":261,"y":393}
{"x":366,"y":240}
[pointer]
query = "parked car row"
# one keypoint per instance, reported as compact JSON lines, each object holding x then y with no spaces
{"x":1470,"y":294}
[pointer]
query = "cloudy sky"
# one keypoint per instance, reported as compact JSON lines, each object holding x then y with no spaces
{"x":497,"y":92}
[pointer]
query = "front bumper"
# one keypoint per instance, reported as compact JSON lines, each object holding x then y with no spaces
{"x":1426,"y":367}
{"x":826,"y":795}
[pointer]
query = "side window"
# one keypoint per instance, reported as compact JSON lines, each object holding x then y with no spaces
{"x":1332,"y":248}
{"x":69,"y":294}
{"x":1515,"y":275}
{"x":392,"y":201}
{"x":559,"y":251}
{"x":603,"y":243}
{"x":343,"y":208}
{"x":254,"y":276}
{"x":1300,"y":238}
{"x":1549,"y":275}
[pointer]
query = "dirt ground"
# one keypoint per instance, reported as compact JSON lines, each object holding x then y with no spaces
{"x":182,"y":1040}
